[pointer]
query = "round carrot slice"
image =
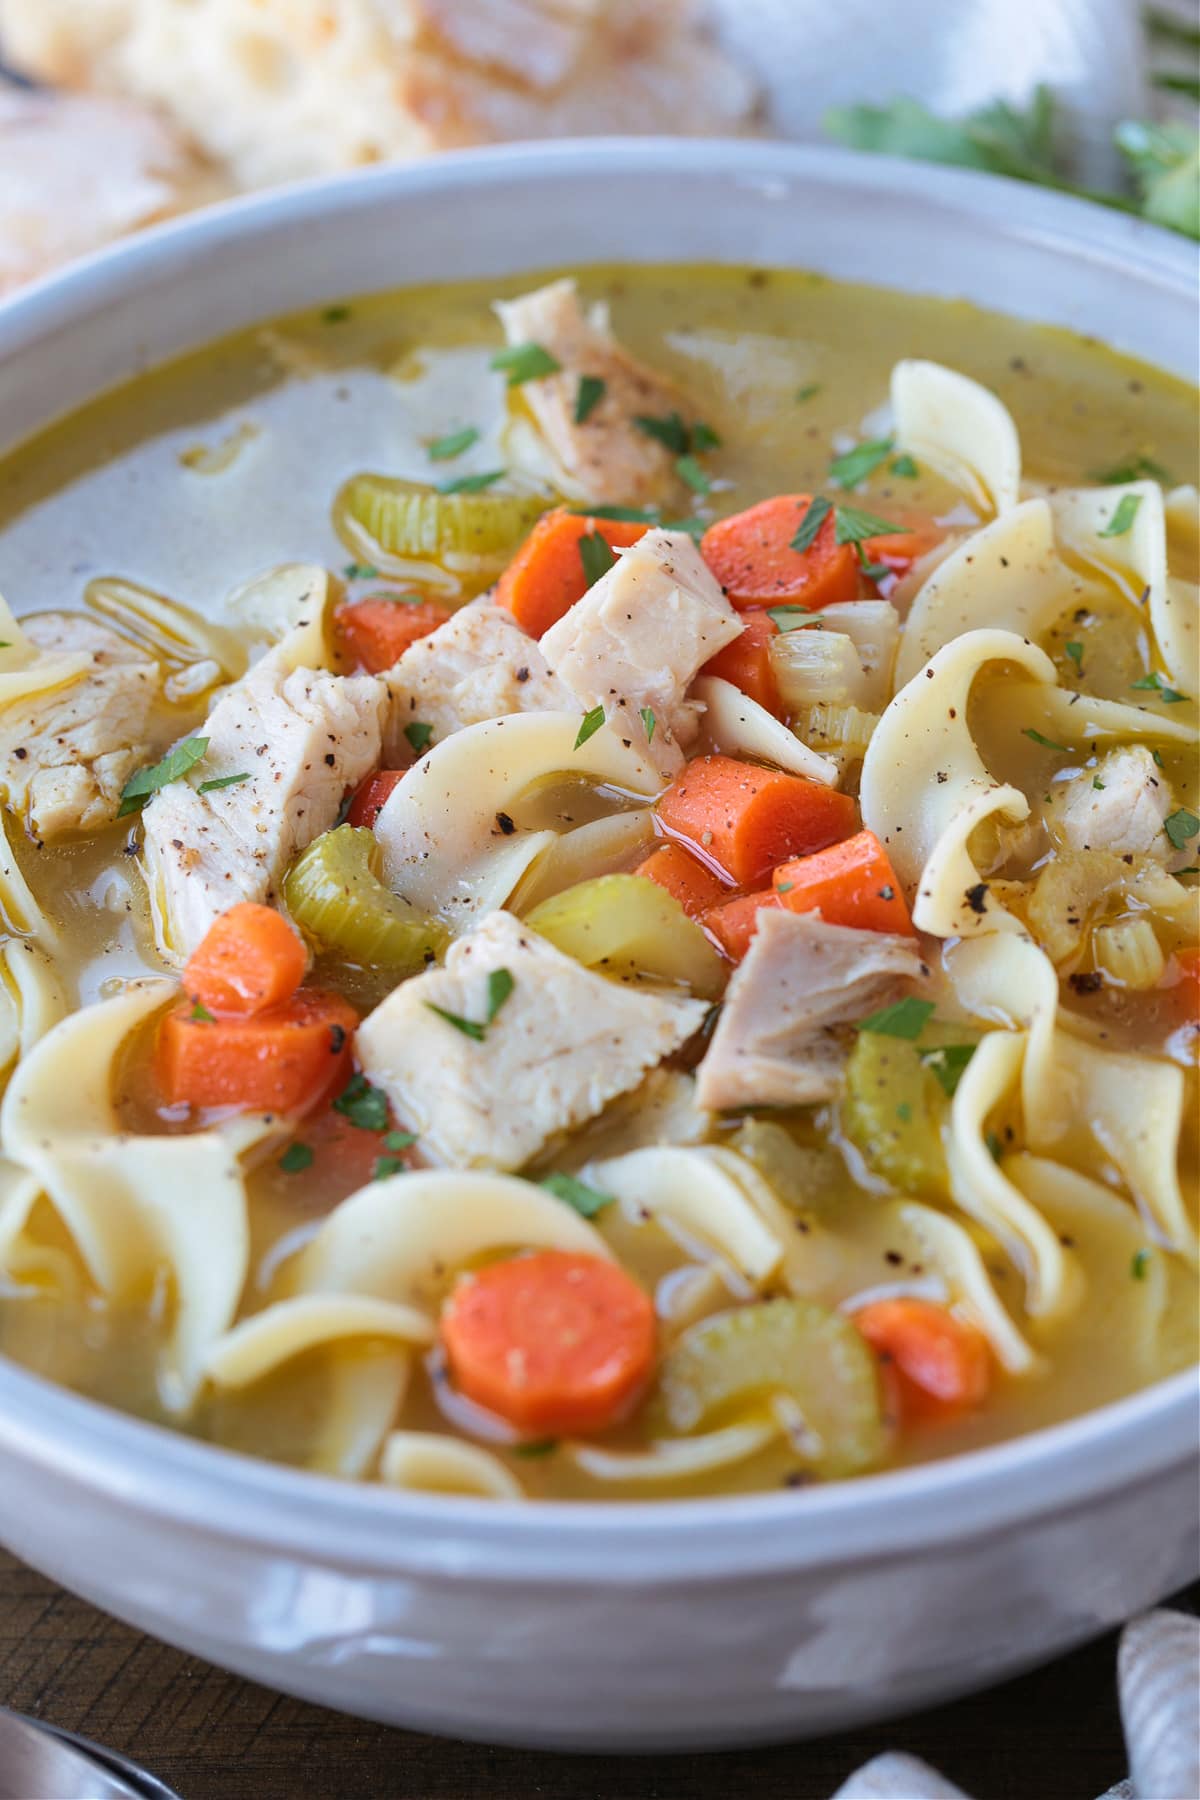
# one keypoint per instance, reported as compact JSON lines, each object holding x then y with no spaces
{"x":552,"y":1342}
{"x":940,"y":1364}
{"x":753,"y":556}
{"x":284,"y":1060}
{"x":249,"y":959}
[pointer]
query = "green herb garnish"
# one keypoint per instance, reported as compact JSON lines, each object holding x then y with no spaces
{"x":1135,"y":468}
{"x":1139,"y":1265}
{"x":1123,"y":517}
{"x":852,"y":526}
{"x":789,"y":618}
{"x":443,"y":448}
{"x":221,"y":781}
{"x":175,"y":763}
{"x":904,"y":465}
{"x":855,"y":466}
{"x":649,"y":721}
{"x":689,"y":470}
{"x":807,"y":392}
{"x":626,"y":515}
{"x":469,"y":1027}
{"x":906,"y":1018}
{"x":387,"y":1165}
{"x":418,"y":734}
{"x":586,"y":1200}
{"x":670,"y":431}
{"x":1075,"y":652}
{"x":500,"y":984}
{"x":471,"y":484}
{"x":1154,"y":684}
{"x":995,"y":1147}
{"x":596,"y":555}
{"x":536,"y":1447}
{"x":811,"y":521}
{"x":334,"y":315}
{"x":1180,"y":826}
{"x":1045,"y":742}
{"x":365,"y":1106}
{"x":295,"y":1159}
{"x":592,"y":721}
{"x":1098,"y":784}
{"x":588,"y":395}
{"x":947,"y":1064}
{"x":525,"y":362}
{"x":399,"y":1140}
{"x":704,"y":438}
{"x":360,"y":571}
{"x":200,"y":1013}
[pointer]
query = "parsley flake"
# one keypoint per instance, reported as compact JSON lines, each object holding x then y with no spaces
{"x":469,"y":1027}
{"x":222,"y":781}
{"x":175,"y":763}
{"x":1139,"y":1265}
{"x":596,"y":555}
{"x":704,"y":437}
{"x":1136,"y":468}
{"x":947,"y":1064}
{"x":851,"y":525}
{"x":995,"y":1147}
{"x":625,"y":515}
{"x":906,"y":1018}
{"x":360,"y":571}
{"x":649,"y":721}
{"x":904,"y":1112}
{"x":591,"y":723}
{"x":1123,"y":517}
{"x":904,"y":465}
{"x":689,"y":470}
{"x":365,"y":1106}
{"x":587,"y":1201}
{"x":335,"y":315}
{"x":399,"y":1140}
{"x":1045,"y":742}
{"x":200,"y":1013}
{"x":1154,"y":684}
{"x":536,"y":1447}
{"x":811,"y":521}
{"x":855,"y":466}
{"x":443,"y":448}
{"x":471,"y":484}
{"x":500,"y":984}
{"x":418,"y":734}
{"x":789,"y":618}
{"x":1098,"y":784}
{"x":296,"y":1158}
{"x":387,"y":1165}
{"x":1180,"y":826}
{"x":525,"y":362}
{"x":806,"y":392}
{"x":670,"y":431}
{"x":1075,"y":652}
{"x":588,"y":395}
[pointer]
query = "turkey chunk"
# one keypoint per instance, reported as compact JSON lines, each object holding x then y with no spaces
{"x":637,"y":639}
{"x":607,"y":460}
{"x":778,"y":1040}
{"x":478,"y":665}
{"x":67,"y":752}
{"x":560,"y":1046}
{"x":303,"y":737}
{"x":1118,"y":806}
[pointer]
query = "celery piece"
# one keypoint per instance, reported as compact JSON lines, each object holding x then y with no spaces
{"x":806,"y":1177}
{"x":335,"y":896}
{"x":891,"y":1111}
{"x":629,"y":927}
{"x":467,"y":535}
{"x":733,"y":1365}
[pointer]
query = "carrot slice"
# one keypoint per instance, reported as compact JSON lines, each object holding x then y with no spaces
{"x":372,"y":795}
{"x":684,"y":876}
{"x":900,"y":549}
{"x":374,"y":633}
{"x":941,"y":1365}
{"x":851,"y":883}
{"x":552,"y":1342}
{"x":747,"y":662}
{"x":734,"y":923}
{"x":752,"y":557}
{"x":747,"y":819}
{"x":285,"y":1060}
{"x":547,"y":576}
{"x":1186,"y":991}
{"x":248,"y":960}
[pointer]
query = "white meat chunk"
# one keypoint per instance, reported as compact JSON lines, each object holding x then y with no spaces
{"x":636,"y":641}
{"x":561,"y":1045}
{"x":303,"y":738}
{"x":608,"y":459}
{"x":1118,"y":806}
{"x":67,"y":752}
{"x":779,"y":1039}
{"x":478,"y":665}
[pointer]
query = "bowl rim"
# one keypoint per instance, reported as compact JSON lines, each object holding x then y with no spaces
{"x":158,"y":1470}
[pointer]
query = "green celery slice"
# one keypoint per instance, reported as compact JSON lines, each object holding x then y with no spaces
{"x":334,"y":894}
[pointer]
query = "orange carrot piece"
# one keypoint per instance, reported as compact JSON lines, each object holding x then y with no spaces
{"x":546,"y":576}
{"x":734,"y":923}
{"x":248,"y":960}
{"x":851,"y":883}
{"x":1186,"y":990}
{"x":751,"y":556}
{"x":372,"y":795}
{"x":285,"y":1060}
{"x":374,"y":633}
{"x":684,"y":876}
{"x":941,"y":1365}
{"x":747,"y":819}
{"x":552,"y":1342}
{"x":900,"y":549}
{"x":747,"y":662}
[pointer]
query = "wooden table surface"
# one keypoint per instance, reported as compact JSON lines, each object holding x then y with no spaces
{"x":1053,"y":1734}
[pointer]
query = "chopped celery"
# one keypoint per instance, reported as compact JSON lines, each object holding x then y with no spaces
{"x":816,"y":667}
{"x":627,"y":926}
{"x":806,"y":1177}
{"x":891,"y":1111}
{"x":334,"y":894}
{"x":468,"y":537}
{"x":805,"y":1356}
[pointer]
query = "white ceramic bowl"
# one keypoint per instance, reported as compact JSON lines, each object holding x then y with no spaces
{"x":687,"y":1624}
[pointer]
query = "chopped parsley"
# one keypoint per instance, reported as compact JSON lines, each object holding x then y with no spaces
{"x":704,"y":438}
{"x":689,"y":470}
{"x":500,"y":984}
{"x":904,"y":465}
{"x":1135,"y":468}
{"x":1154,"y":684}
{"x":360,"y":571}
{"x":995,"y":1147}
{"x":906,"y":1018}
{"x":387,"y":1165}
{"x":536,"y":1447}
{"x":525,"y":362}
{"x":365,"y":1106}
{"x":596,"y":555}
{"x":1139,"y":1265}
{"x":873,"y":571}
{"x":789,"y":618}
{"x":1180,"y":826}
{"x":784,"y":887}
{"x":1075,"y":652}
{"x":812,"y":519}
{"x":649,"y":721}
{"x":399,"y":1140}
{"x":904,"y":1112}
{"x":807,"y":392}
{"x":443,"y":448}
{"x":1098,"y":784}
{"x":588,"y":395}
{"x":1157,"y":755}
{"x":851,"y":525}
{"x":222,"y":781}
{"x":695,"y":528}
{"x":1123,"y":517}
{"x":586,"y":1200}
{"x":469,"y":1027}
{"x":947,"y":1064}
{"x":670,"y":431}
{"x":175,"y":763}
{"x":200,"y":1014}
{"x":589,"y":726}
{"x":855,"y":466}
{"x":418,"y":734}
{"x":471,"y":484}
{"x":295,"y":1159}
{"x":625,"y":515}
{"x":1045,"y":742}
{"x":335,"y":315}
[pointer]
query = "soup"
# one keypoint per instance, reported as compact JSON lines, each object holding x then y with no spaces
{"x":600,"y":891}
